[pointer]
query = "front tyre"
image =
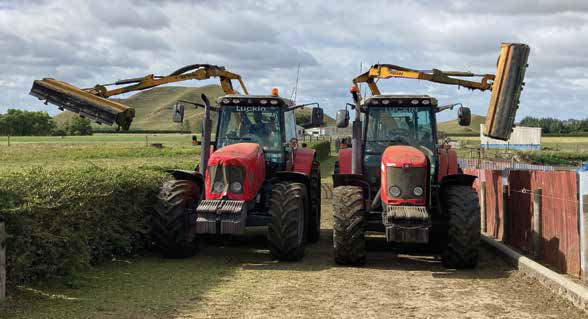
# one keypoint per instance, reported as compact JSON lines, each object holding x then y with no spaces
{"x":170,"y":227}
{"x":286,"y":231}
{"x":463,"y":241}
{"x":348,"y":226}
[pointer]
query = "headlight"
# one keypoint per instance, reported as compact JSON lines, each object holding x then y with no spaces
{"x":236,"y":187}
{"x":218,"y":187}
{"x":394,"y":191}
{"x":418,"y":191}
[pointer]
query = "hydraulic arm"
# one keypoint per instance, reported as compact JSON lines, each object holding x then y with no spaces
{"x":94,"y":104}
{"x":506,"y":85}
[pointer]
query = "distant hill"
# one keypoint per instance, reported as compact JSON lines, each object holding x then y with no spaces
{"x":153,"y":107}
{"x":453,"y":126}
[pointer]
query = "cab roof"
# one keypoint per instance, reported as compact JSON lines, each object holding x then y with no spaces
{"x":236,"y":99}
{"x":404,"y":100}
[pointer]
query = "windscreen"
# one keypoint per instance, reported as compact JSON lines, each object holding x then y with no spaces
{"x":398,"y":126}
{"x":250,"y":124}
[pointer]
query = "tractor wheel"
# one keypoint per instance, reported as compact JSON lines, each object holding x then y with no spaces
{"x":286,"y":233}
{"x":463,"y":241}
{"x":348,"y":225}
{"x":169,"y":223}
{"x":314,"y":220}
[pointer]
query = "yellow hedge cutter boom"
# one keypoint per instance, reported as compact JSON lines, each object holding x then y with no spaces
{"x":506,"y":85}
{"x":94,"y":104}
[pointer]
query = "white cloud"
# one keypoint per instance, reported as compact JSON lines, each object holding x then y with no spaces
{"x":89,"y":42}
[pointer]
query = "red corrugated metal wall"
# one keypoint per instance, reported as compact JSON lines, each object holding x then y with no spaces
{"x":520,"y":206}
{"x":560,"y":234}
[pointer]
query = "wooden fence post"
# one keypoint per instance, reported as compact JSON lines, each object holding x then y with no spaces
{"x":483,"y":207}
{"x":584,"y":236}
{"x":2,"y":261}
{"x":505,"y":212}
{"x":537,"y":227}
{"x":582,"y":177}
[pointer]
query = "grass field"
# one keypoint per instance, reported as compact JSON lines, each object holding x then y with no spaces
{"x":112,"y":150}
{"x":564,"y":144}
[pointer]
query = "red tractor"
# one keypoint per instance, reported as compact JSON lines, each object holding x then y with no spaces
{"x":252,"y":174}
{"x":398,"y":181}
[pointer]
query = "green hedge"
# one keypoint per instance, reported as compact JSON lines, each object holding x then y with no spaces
{"x":60,"y":221}
{"x":323,"y":149}
{"x":558,"y":158}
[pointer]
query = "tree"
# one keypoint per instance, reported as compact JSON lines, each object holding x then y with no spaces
{"x":78,"y":126}
{"x":26,"y":123}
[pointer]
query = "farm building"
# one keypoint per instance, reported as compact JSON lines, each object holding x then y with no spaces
{"x":299,"y":130}
{"x":522,"y":138}
{"x":316,"y":131}
{"x":329,"y":131}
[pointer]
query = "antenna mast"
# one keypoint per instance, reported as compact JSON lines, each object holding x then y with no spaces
{"x":295,"y":91}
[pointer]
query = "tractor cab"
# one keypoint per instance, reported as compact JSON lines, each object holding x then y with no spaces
{"x":397,"y":120}
{"x":264,"y":120}
{"x":254,"y":174}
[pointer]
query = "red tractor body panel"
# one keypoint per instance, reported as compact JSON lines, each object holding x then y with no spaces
{"x":345,"y":156}
{"x":303,"y":158}
{"x":247,"y":155}
{"x":403,"y":156}
{"x":447,"y":163}
{"x":409,"y":163}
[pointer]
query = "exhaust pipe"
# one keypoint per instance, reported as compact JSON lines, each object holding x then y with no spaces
{"x":206,"y":128}
{"x":71,"y":98}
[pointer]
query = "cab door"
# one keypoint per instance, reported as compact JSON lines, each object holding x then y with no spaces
{"x":291,"y":138}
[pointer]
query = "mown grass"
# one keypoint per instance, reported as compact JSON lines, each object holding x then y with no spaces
{"x":137,"y":287}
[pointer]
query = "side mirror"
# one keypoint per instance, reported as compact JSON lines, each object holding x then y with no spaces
{"x":464,"y":115}
{"x":178,"y":112}
{"x":342,"y":118}
{"x":317,"y":117}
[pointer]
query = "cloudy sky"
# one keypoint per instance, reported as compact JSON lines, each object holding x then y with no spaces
{"x":90,"y":42}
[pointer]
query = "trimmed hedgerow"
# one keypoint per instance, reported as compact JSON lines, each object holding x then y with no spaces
{"x":60,"y":221}
{"x":323,"y":149}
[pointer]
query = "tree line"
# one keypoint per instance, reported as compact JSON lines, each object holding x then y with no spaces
{"x":39,"y":123}
{"x":555,"y":126}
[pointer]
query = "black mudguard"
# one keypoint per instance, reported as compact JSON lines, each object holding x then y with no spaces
{"x":194,"y":176}
{"x":353,"y":180}
{"x":294,"y":177}
{"x":458,"y":179}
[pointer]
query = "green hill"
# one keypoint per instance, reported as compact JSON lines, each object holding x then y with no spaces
{"x":453,"y":126}
{"x":153,"y":107}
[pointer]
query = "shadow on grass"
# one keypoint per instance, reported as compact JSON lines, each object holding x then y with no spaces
{"x":137,"y":287}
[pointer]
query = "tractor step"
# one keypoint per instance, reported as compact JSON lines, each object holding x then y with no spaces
{"x":407,"y":224}
{"x":229,"y":215}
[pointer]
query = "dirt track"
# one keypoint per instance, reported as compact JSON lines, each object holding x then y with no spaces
{"x":391,"y":285}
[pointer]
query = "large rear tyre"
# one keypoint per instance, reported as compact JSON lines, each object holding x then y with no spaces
{"x":286,"y":229}
{"x":314,"y":220}
{"x":463,"y":241}
{"x":170,"y":226}
{"x":348,"y":226}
